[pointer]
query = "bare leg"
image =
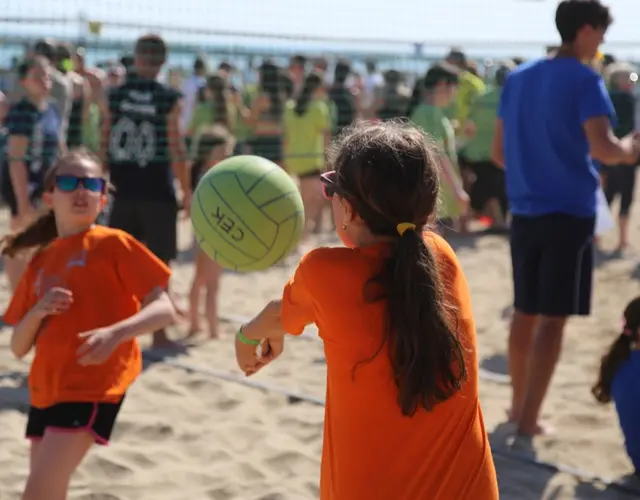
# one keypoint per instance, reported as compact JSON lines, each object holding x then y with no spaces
{"x":540,"y":368}
{"x":311,"y":193}
{"x":520,"y":341}
{"x":623,"y":228}
{"x":212,"y":274}
{"x":160,"y":338}
{"x":54,"y":459}
{"x":199,"y":281}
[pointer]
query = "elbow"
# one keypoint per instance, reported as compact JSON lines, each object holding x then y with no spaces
{"x":604,"y":155}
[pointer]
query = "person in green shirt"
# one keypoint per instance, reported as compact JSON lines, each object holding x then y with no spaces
{"x":214,"y":107}
{"x":439,"y":90}
{"x":307,"y":132}
{"x":488,"y":192}
{"x":266,"y":114}
{"x":470,"y":87}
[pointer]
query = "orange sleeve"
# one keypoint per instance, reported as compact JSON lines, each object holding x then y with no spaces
{"x":138,"y":268}
{"x":297,"y":303}
{"x":23,"y":299}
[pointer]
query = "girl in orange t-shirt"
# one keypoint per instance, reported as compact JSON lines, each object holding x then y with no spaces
{"x":86,"y":294}
{"x":403,"y":418}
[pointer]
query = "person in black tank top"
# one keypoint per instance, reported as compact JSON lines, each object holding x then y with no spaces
{"x":145,"y":152}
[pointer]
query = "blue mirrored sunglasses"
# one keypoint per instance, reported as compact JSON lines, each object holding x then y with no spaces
{"x":70,"y":183}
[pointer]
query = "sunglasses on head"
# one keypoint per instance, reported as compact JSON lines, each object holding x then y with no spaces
{"x":330,"y":185}
{"x":69,"y":183}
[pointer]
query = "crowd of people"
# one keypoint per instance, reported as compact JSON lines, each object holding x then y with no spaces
{"x":520,"y":145}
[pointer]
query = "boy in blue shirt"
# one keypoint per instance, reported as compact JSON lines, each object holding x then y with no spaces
{"x":554,"y":118}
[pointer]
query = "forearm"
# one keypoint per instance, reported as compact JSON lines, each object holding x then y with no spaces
{"x":267,"y":324}
{"x":105,"y":133}
{"x":19,"y":175}
{"x":24,"y":334}
{"x":614,"y":152}
{"x":180,"y":164}
{"x":451,"y":177}
{"x":181,"y":171}
{"x":156,"y":315}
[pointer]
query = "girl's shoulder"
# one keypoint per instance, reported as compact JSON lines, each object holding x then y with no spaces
{"x":104,"y":236}
{"x":320,"y":105}
{"x":319,"y":257}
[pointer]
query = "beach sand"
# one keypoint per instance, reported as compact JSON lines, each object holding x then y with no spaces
{"x":188,"y":435}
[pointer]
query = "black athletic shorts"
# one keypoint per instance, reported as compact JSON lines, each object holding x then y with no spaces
{"x":552,"y":263}
{"x":150,"y":222}
{"x":96,"y":418}
{"x":489,"y":184}
{"x":620,"y":181}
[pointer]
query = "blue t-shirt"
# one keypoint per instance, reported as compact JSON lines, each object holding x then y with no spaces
{"x":625,"y":392}
{"x":42,"y":128}
{"x":543,"y":108}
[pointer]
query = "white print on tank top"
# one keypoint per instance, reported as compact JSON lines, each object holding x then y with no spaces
{"x":131,"y":142}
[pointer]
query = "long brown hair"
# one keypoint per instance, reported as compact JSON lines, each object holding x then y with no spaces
{"x":312,"y":82}
{"x":389,"y":173}
{"x":43,"y":230}
{"x":618,"y":353}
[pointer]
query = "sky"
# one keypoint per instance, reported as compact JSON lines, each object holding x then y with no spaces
{"x":478,"y":24}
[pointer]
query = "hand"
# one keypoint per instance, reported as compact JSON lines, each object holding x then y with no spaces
{"x":56,"y":301}
{"x":631,"y":144}
{"x":247,"y":357}
{"x":98,"y":346}
{"x":252,"y":359}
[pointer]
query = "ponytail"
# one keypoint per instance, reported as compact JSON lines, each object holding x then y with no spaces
{"x":218,"y":88}
{"x":611,"y":362}
{"x":311,"y":84}
{"x":426,"y":355}
{"x":39,"y":233}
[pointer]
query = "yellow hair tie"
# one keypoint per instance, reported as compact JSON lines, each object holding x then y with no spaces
{"x":403,"y":227}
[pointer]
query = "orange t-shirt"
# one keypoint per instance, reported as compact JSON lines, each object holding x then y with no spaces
{"x":109,"y":274}
{"x":371,"y":451}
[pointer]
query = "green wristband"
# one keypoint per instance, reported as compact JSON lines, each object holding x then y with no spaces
{"x":245,"y":340}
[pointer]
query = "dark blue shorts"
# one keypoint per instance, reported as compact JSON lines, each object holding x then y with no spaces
{"x":552,"y":263}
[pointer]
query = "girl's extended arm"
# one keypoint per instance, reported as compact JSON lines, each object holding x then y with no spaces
{"x":157,"y":312}
{"x":55,"y":301}
{"x":267,"y":328}
{"x":267,"y":324}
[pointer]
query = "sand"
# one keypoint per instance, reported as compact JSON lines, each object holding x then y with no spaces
{"x":188,"y":435}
